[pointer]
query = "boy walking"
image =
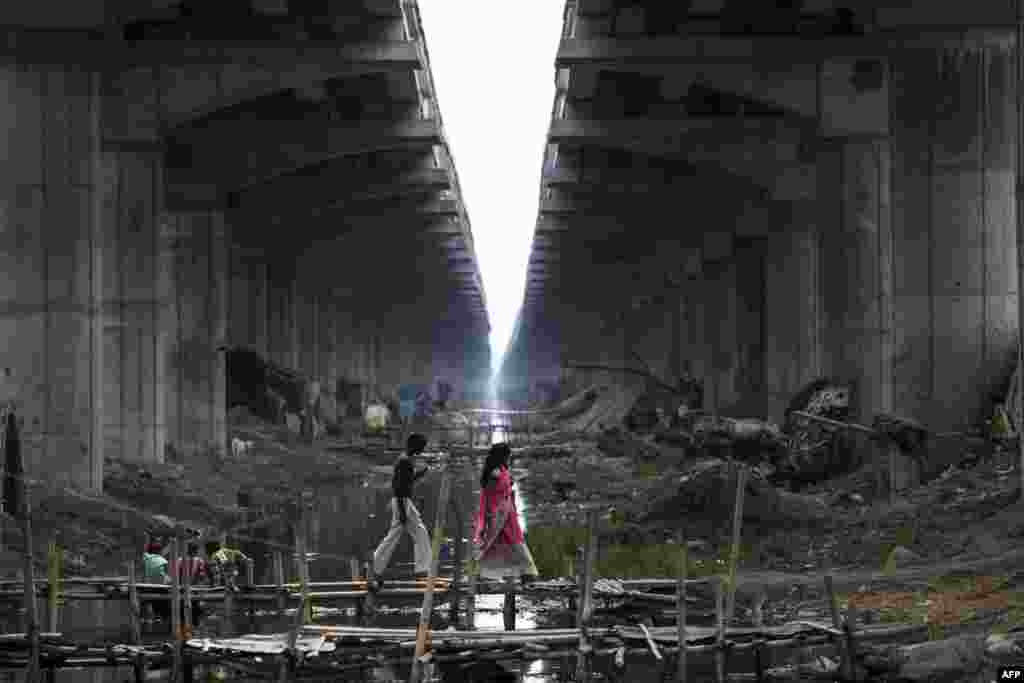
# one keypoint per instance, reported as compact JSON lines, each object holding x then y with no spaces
{"x":405,"y":518}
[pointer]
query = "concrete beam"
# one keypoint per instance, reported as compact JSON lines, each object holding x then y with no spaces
{"x":775,"y":50}
{"x":429,"y":204}
{"x":240,"y":155}
{"x":668,"y":137}
{"x":583,"y":164}
{"x":646,"y":213}
{"x":298,"y":193}
{"x":778,"y":168}
{"x":184,"y":100}
{"x":792,"y":87}
{"x":94,"y":51}
{"x":566,"y":186}
{"x":775,"y":164}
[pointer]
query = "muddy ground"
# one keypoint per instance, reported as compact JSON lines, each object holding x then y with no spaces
{"x":959,"y":539}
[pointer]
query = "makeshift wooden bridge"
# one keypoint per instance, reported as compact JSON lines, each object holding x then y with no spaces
{"x":308,"y":651}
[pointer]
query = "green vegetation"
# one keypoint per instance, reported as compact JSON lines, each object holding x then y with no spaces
{"x":554,"y":551}
{"x":647,"y":470}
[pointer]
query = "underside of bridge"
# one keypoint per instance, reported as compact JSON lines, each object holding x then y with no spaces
{"x":760,"y":197}
{"x":183,"y":176}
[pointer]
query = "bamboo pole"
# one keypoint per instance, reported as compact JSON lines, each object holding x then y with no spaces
{"x":185,"y":567}
{"x":279,"y":579}
{"x":583,"y":659}
{"x":681,"y":608}
{"x":737,"y":535}
{"x":135,"y":608}
{"x":353,"y":565}
{"x":176,"y":671}
{"x":849,"y":625}
{"x":289,"y":662}
{"x":474,"y":579}
{"x":369,"y":601}
{"x":455,"y":594}
{"x":893,"y":451}
{"x":53,"y":592}
{"x":759,"y":623}
{"x":837,"y":623}
{"x":32,"y":671}
{"x":508,"y":608}
{"x":720,"y":640}
{"x":289,"y":659}
{"x":303,"y":556}
{"x":428,"y":598}
{"x":229,"y":610}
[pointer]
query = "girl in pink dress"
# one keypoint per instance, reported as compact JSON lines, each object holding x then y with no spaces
{"x":500,"y":544}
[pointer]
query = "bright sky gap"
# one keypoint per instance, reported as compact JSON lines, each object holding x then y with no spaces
{"x":494,"y":75}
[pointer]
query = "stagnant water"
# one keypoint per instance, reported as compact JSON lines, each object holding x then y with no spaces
{"x":348,"y":521}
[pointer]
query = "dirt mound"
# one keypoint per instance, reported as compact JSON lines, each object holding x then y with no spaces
{"x":609,"y":408}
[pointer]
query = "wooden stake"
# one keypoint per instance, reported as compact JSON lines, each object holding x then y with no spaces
{"x":720,"y":650}
{"x":428,"y":597}
{"x":135,"y":609}
{"x":681,"y":608}
{"x":737,"y":529}
{"x":583,"y":659}
{"x":177,"y":671}
{"x":844,"y":655}
{"x":33,"y":669}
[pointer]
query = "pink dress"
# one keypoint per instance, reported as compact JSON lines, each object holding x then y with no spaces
{"x":498,"y":534}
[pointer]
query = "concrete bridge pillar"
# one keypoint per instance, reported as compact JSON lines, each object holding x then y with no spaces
{"x":249,"y":298}
{"x":192,"y":287}
{"x":857,"y":270}
{"x":51,"y":260}
{"x":792,"y":306}
{"x":954,"y":280}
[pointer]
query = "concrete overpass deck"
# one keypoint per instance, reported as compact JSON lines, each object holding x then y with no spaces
{"x":762,"y":196}
{"x":183,"y":175}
